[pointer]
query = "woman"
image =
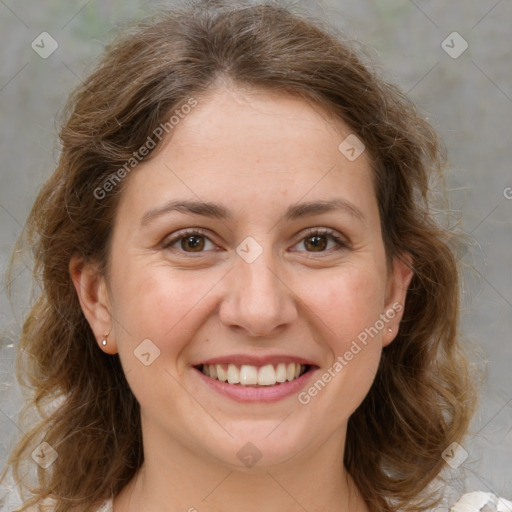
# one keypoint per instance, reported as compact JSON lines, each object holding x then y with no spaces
{"x":246,"y":301}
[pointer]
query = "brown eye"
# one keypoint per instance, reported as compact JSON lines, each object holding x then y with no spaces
{"x":316,"y":243}
{"x":193,"y":242}
{"x":322,"y":240}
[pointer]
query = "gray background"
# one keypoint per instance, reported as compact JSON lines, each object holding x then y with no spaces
{"x":468,"y":99}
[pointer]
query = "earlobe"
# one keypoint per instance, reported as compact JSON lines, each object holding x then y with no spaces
{"x":91,"y":289}
{"x":398,"y":283}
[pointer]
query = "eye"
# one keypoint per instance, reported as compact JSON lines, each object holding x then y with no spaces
{"x":195,"y":241}
{"x":192,"y":240}
{"x":317,"y":240}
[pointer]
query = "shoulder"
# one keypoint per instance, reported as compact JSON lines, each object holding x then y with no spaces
{"x":479,"y":501}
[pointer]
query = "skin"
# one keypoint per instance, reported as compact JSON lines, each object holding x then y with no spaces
{"x":256,"y":153}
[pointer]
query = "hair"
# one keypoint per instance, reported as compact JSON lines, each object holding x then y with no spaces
{"x":423,"y":396}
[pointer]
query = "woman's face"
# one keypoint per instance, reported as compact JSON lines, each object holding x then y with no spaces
{"x":250,"y":243}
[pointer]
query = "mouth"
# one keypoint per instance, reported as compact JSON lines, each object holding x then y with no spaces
{"x":246,"y":375}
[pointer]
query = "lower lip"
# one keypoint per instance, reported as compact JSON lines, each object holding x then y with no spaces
{"x":257,"y":393}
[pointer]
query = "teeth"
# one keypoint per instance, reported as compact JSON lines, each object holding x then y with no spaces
{"x":221,"y":373}
{"x":233,"y":374}
{"x":267,"y":376}
{"x":281,"y":372}
{"x":290,"y":371}
{"x":248,"y":375}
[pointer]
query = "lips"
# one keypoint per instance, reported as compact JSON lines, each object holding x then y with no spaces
{"x":268,"y":387}
{"x":250,"y":370}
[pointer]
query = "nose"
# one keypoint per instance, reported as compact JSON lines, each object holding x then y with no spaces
{"x":258,"y":299}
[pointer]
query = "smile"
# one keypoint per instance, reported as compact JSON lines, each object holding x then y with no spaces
{"x":250,"y":378}
{"x":249,"y":375}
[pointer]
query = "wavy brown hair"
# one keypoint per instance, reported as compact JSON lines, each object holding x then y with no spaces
{"x":422,"y":398}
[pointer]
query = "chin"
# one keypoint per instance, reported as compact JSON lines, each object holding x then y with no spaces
{"x":260,"y":447}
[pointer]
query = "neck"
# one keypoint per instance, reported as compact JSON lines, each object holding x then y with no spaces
{"x":176,"y":479}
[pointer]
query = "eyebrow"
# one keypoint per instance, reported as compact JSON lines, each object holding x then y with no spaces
{"x":214,"y":210}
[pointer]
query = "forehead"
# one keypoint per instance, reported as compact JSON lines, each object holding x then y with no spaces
{"x":265,"y":124}
{"x":252,"y":145}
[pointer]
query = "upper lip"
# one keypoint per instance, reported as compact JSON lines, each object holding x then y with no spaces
{"x":253,"y":360}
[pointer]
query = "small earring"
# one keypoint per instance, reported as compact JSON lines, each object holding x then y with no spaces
{"x":390,"y":329}
{"x":104,"y":342}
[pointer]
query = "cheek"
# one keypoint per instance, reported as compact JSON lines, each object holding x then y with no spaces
{"x":348,"y":300}
{"x":158,"y":303}
{"x":348,"y":307}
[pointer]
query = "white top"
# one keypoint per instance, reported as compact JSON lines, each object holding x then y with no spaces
{"x":106,"y":507}
{"x":477,"y":501}
{"x":469,"y":502}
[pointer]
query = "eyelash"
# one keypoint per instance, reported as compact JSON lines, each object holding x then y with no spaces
{"x":330,"y":233}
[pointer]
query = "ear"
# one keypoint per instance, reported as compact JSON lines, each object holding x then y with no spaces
{"x":92,"y":292}
{"x":398,"y":283}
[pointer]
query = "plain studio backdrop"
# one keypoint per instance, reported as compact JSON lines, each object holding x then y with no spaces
{"x":453,"y":59}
